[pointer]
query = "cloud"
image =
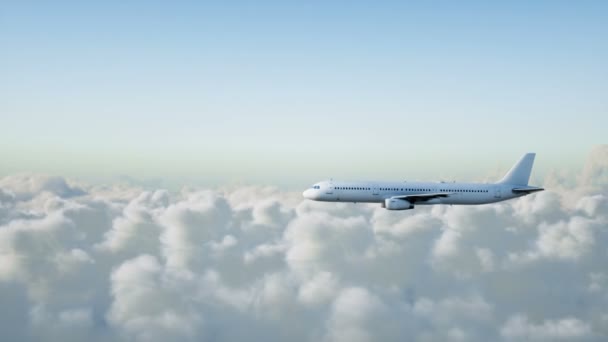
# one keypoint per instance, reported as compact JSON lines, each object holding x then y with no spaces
{"x":595,"y":172}
{"x":520,"y":328}
{"x":118,"y":263}
{"x":27,"y":186}
{"x":359,"y":316}
{"x":147,"y":307}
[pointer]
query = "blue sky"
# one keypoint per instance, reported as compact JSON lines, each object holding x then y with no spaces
{"x":291,"y":92}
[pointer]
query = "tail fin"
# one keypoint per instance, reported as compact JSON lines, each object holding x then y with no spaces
{"x":520,"y":172}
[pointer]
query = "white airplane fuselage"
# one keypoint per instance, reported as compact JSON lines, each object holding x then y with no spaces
{"x":404,"y":195}
{"x":377,"y":192}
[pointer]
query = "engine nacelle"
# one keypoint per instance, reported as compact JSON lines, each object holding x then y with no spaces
{"x":397,"y":204}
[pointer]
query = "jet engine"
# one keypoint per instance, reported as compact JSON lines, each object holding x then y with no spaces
{"x":397,"y":204}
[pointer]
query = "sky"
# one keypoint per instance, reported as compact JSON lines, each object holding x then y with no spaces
{"x":287,"y":93}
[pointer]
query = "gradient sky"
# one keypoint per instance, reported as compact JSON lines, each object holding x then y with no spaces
{"x":291,"y":92}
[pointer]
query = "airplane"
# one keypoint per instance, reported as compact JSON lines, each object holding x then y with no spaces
{"x":405,"y":195}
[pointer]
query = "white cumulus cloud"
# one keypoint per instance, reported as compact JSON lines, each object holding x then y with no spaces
{"x":119,"y":263}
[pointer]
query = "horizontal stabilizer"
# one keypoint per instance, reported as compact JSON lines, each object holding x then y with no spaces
{"x":526,"y":190}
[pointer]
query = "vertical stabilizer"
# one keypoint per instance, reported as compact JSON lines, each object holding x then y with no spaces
{"x":520,"y":172}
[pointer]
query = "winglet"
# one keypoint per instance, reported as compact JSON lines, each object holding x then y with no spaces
{"x":520,"y":172}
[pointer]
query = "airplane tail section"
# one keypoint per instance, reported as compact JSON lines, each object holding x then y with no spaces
{"x":520,"y":172}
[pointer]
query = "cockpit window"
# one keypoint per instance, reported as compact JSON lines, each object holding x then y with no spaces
{"x":316,"y":187}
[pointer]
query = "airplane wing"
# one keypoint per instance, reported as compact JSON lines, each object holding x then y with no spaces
{"x":526,"y":190}
{"x":422,"y":197}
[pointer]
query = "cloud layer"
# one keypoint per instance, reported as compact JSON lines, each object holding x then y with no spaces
{"x":117,"y":263}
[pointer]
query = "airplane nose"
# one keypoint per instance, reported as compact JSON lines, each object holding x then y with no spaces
{"x":307,"y":194}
